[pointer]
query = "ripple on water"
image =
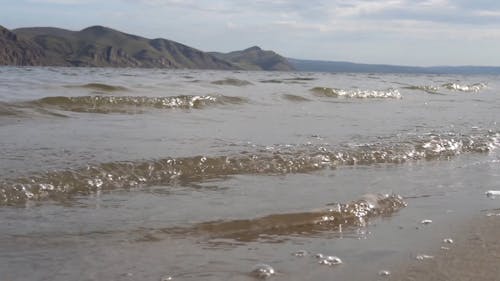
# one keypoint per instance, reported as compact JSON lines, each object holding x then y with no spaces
{"x":232,"y":82}
{"x":99,"y":87}
{"x":295,"y":98}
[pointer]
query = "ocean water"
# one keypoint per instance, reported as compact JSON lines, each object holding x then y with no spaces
{"x":144,"y":174}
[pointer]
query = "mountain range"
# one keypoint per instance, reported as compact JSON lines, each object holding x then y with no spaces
{"x":99,"y":46}
{"x":341,"y":66}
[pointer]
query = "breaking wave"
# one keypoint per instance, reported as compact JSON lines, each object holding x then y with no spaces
{"x":356,"y":93}
{"x":471,"y":88}
{"x":464,"y":88}
{"x":130,"y":104}
{"x":355,"y":213}
{"x":279,"y":159}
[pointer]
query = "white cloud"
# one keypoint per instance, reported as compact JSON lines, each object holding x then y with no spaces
{"x":61,"y":2}
{"x":361,"y":8}
{"x":294,"y":24}
{"x":302,"y":26}
{"x":488,"y":13}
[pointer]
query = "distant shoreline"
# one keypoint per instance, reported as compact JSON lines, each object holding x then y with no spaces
{"x":99,"y":46}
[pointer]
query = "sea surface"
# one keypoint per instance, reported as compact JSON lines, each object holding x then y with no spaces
{"x":152,"y":174}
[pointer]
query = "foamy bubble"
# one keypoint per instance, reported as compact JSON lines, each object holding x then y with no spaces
{"x":263,"y":271}
{"x":423,"y":257}
{"x":384,"y":273}
{"x":301,"y":253}
{"x":448,"y":241}
{"x":492,"y":193}
{"x":426,"y":222}
{"x":330,"y":260}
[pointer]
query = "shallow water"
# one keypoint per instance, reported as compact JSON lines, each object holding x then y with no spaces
{"x":132,"y":174}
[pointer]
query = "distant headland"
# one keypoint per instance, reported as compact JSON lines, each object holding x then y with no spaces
{"x":99,"y":46}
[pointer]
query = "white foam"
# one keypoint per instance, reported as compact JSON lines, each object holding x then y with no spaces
{"x":263,"y":271}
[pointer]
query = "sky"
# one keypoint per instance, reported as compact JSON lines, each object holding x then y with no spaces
{"x":402,"y":32}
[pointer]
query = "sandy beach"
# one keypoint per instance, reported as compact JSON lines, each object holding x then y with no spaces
{"x":474,"y":255}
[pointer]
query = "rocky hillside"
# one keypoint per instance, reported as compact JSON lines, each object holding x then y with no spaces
{"x":14,"y":51}
{"x":99,"y":46}
{"x":106,"y":47}
{"x":255,"y":58}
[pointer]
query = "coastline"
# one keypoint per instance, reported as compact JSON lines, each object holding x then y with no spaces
{"x":474,"y":255}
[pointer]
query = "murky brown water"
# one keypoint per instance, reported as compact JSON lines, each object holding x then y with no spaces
{"x":123,"y":174}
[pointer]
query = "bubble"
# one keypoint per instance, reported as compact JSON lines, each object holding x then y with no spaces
{"x":330,"y":260}
{"x":426,"y":222}
{"x":384,"y":273}
{"x":492,"y":193}
{"x":424,"y":257}
{"x":300,"y":253}
{"x":166,"y":278}
{"x":46,"y":186}
{"x":492,"y":214}
{"x":263,"y":271}
{"x":448,"y":241}
{"x":319,"y":255}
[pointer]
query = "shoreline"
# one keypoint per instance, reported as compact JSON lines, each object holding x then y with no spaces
{"x":474,"y":255}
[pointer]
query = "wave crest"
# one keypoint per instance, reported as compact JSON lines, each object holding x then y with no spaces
{"x":129,"y":104}
{"x":99,"y":87}
{"x":464,"y":88}
{"x":355,"y":213}
{"x":356,"y":93}
{"x":472,"y":88}
{"x":269,"y":160}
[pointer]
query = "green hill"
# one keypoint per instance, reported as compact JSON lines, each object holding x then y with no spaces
{"x":15,"y":51}
{"x":255,"y":58}
{"x":99,"y":46}
{"x":105,"y":47}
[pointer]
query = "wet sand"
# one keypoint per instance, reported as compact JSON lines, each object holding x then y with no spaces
{"x":474,"y":255}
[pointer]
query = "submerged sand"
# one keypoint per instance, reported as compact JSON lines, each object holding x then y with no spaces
{"x":474,"y":255}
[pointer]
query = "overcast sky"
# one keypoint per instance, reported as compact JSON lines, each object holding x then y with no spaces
{"x":408,"y":32}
